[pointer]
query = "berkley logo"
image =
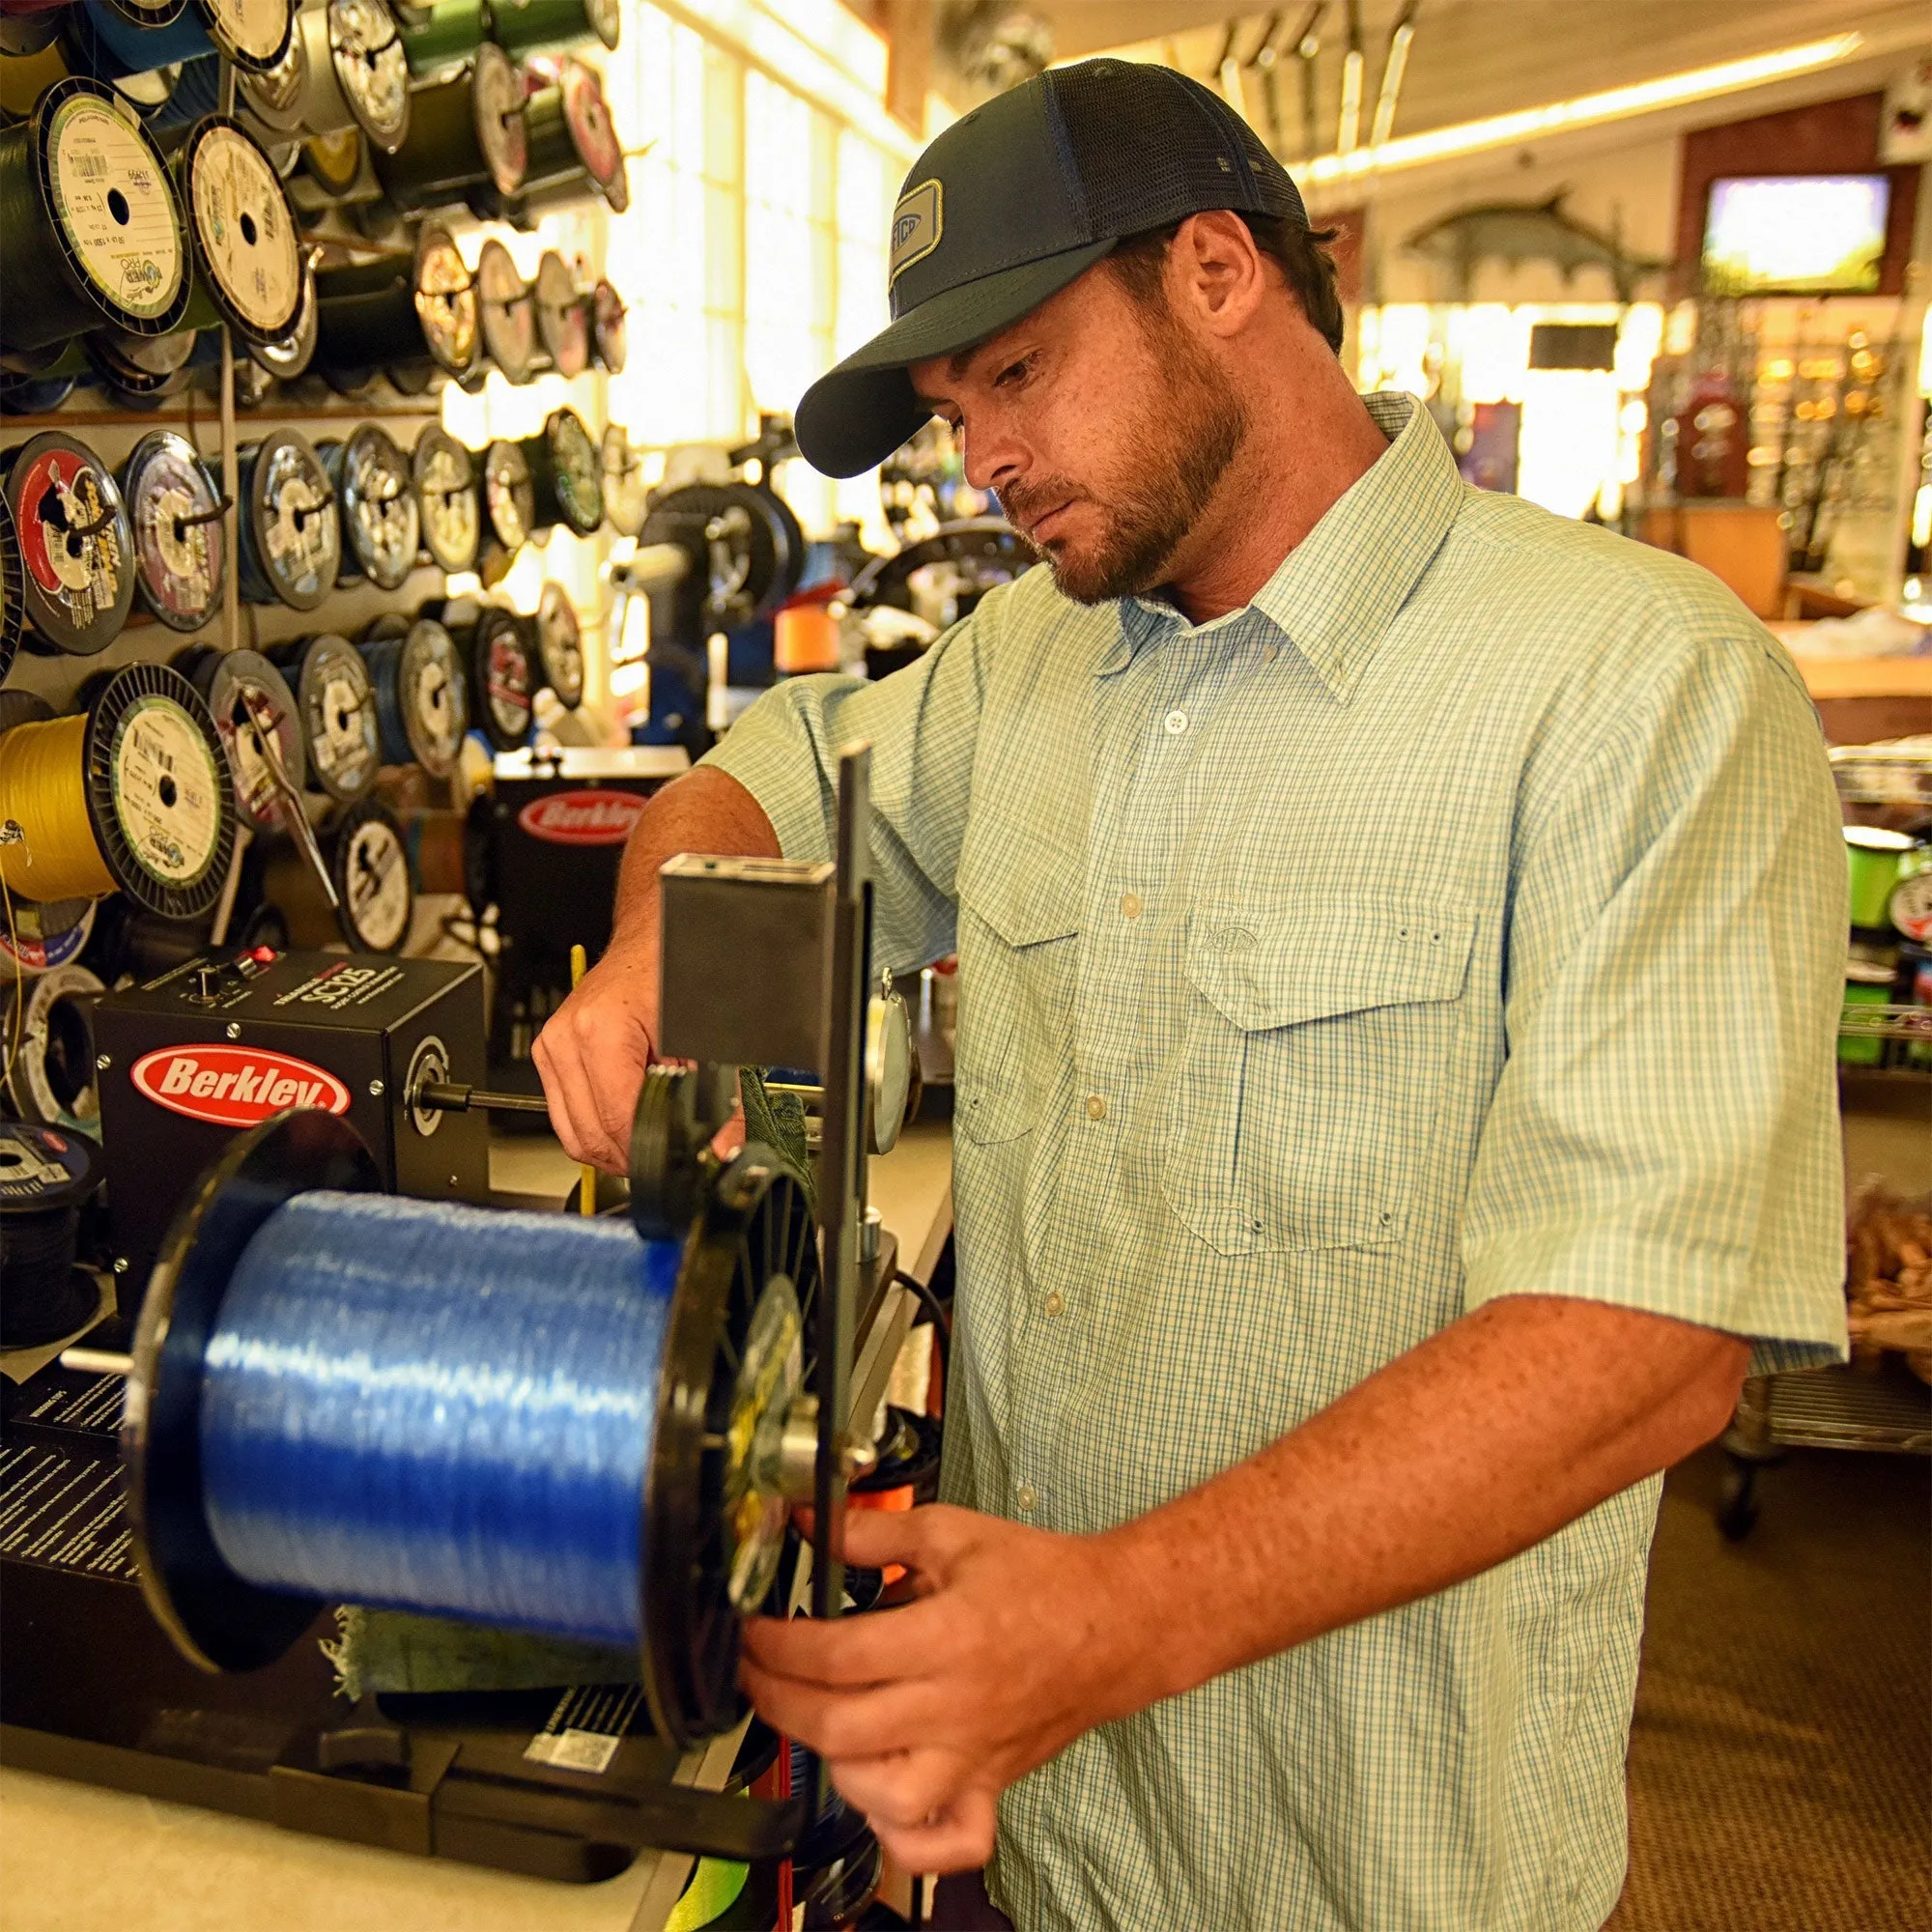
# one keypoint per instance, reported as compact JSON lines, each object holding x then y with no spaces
{"x":234,"y":1086}
{"x":590,"y":818}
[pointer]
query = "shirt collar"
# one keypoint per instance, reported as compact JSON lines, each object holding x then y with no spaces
{"x":1336,"y":594}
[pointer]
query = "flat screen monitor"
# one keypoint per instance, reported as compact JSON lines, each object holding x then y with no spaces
{"x":1795,"y":235}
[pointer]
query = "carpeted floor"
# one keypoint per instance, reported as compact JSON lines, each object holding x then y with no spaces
{"x":1781,"y":1758}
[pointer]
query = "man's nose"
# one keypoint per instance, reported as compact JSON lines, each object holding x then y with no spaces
{"x":993,"y":459}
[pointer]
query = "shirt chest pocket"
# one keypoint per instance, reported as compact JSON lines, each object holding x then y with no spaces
{"x":1019,"y":926}
{"x":1315,"y":1045}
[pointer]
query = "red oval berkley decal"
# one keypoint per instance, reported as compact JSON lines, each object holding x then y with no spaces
{"x":234,"y":1086}
{"x":593,"y":817}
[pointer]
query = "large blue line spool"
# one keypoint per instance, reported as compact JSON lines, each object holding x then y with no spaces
{"x":533,"y":1421}
{"x":418,"y":1406}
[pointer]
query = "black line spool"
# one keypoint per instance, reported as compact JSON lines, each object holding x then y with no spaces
{"x":48,"y":1027}
{"x":88,"y":222}
{"x":563,"y":315}
{"x":115,"y":40}
{"x":337,"y":706}
{"x":574,"y":149}
{"x":534,"y":26}
{"x":180,"y":547}
{"x":289,"y":356}
{"x":626,"y":494}
{"x":737,"y":1286}
{"x":12,"y":586}
{"x":369,"y":868}
{"x":357,"y":74}
{"x":378,"y":498}
{"x":747,"y":551}
{"x":271,"y":99}
{"x":291,"y":541}
{"x":129,"y":794}
{"x":508,"y":310}
{"x":560,"y":646}
{"x":46,"y":1178}
{"x":446,"y":492}
{"x":76,"y":549}
{"x":253,"y":710}
{"x":607,"y":334}
{"x":464,"y":133}
{"x":398,"y":311}
{"x":502,"y":653}
{"x":422,"y":701}
{"x":193,"y":90}
{"x":440,"y":38}
{"x":508,"y":508}
{"x":248,"y":266}
{"x":45,"y":936}
{"x":566,"y":475}
{"x":25,"y":35}
{"x":140,"y":372}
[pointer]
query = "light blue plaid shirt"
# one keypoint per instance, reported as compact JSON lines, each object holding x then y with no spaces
{"x":1464,"y":917}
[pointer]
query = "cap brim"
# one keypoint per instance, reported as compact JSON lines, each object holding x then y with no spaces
{"x":854,"y":416}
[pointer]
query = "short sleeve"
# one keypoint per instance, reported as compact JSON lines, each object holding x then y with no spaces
{"x":922,"y":724}
{"x":1664,"y":1134}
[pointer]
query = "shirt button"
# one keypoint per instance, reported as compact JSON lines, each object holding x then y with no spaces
{"x":1130,"y":905}
{"x":1026,"y":1498}
{"x":1269,"y":653}
{"x":1176,"y":722}
{"x":1097,"y":1108}
{"x":1056,"y":1303}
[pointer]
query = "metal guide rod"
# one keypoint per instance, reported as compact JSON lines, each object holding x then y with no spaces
{"x":231,"y":490}
{"x":450,"y":1097}
{"x":841,"y":1178}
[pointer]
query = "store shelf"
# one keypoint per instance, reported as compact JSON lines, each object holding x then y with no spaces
{"x":1859,"y":677}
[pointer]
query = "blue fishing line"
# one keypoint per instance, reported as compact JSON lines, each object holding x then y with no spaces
{"x":112,"y":48}
{"x":385,"y":658}
{"x":420,"y":1407}
{"x":196,"y":92}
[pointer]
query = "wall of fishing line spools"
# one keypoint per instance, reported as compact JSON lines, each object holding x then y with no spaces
{"x":251,"y":587}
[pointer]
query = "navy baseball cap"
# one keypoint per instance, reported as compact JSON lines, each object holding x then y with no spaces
{"x":1013,"y":202}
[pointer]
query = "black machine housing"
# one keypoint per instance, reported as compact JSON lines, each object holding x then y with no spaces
{"x":362,"y":1025}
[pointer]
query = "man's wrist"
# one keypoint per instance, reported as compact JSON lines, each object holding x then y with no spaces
{"x":1151,"y":1646}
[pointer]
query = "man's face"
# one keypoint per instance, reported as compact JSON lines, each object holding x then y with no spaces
{"x":1101,"y":425}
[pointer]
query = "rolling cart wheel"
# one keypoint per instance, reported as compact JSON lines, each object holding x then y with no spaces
{"x":1737,"y":1499}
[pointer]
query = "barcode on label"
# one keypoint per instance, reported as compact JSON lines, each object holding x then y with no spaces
{"x":89,"y":167}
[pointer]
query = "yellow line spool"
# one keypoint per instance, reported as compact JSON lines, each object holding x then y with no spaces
{"x":47,"y":848}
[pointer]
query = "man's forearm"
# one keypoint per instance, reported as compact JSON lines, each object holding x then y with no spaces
{"x":1471,"y":1447}
{"x":706,"y":810}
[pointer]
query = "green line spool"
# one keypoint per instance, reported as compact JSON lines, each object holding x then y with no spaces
{"x":249,"y":263}
{"x":566,"y":475}
{"x":465,"y":132}
{"x":574,"y":149}
{"x":90,"y":223}
{"x":442,"y":37}
{"x":530,"y":26}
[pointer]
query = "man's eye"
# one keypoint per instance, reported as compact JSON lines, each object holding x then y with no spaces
{"x":1014,"y":372}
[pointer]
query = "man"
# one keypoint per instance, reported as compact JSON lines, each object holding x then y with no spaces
{"x":1401,"y":936}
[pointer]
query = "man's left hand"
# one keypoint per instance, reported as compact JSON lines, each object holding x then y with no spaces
{"x":1017,"y":1642}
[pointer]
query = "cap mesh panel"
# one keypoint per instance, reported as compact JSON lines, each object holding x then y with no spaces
{"x":1150,"y":146}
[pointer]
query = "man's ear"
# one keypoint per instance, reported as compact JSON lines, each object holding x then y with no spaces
{"x":1215,"y":273}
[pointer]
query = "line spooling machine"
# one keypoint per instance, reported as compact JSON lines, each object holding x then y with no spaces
{"x":585,"y":1428}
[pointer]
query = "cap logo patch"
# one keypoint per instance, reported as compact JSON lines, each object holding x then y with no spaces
{"x":917,"y":225}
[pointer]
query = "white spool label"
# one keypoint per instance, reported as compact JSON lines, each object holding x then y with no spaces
{"x":376,"y":872}
{"x":247,"y":239}
{"x":434,"y":706}
{"x":341,"y":744}
{"x":251,"y":27}
{"x":114,"y":205}
{"x":371,"y":66}
{"x":167,"y":793}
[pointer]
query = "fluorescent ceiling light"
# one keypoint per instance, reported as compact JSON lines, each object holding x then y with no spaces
{"x":1588,"y":110}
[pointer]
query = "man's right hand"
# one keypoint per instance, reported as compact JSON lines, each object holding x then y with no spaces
{"x":592,"y":1054}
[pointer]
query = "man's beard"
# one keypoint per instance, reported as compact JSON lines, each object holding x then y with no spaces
{"x":1180,"y":439}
